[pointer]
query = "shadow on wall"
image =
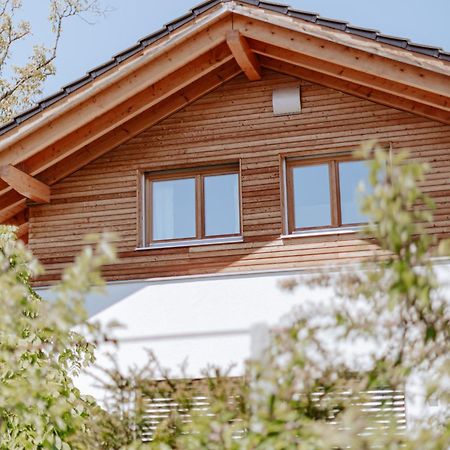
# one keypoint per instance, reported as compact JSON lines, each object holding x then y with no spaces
{"x":101,"y":300}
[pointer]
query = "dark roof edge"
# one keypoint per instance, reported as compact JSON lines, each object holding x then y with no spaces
{"x":170,"y":27}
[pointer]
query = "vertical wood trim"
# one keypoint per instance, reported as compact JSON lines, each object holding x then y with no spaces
{"x":337,"y":193}
{"x":148,"y":207}
{"x":199,"y":207}
{"x":283,"y":196}
{"x":140,"y":208}
{"x":290,"y":198}
{"x":391,"y":151}
{"x":332,"y":190}
{"x":241,"y":208}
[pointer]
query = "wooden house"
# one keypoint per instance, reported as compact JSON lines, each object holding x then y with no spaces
{"x":218,"y":149}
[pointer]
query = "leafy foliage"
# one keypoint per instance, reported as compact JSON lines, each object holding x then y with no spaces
{"x":386,"y":326}
{"x":40,"y":352}
{"x":21,"y":84}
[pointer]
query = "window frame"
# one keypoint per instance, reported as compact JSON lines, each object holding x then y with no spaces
{"x":332,"y":161}
{"x":198,"y":174}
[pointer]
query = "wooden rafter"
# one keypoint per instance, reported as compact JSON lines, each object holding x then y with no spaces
{"x":12,"y":203}
{"x":354,"y":76}
{"x":244,"y":55}
{"x":142,"y":101}
{"x":13,"y":151}
{"x":54,"y":153}
{"x":25,"y":184}
{"x":352,"y":58}
{"x":142,"y":122}
{"x":156,"y":83}
{"x":20,"y":221}
{"x":356,"y":90}
{"x":348,"y":40}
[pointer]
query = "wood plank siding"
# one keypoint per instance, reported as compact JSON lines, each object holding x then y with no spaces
{"x":234,"y":122}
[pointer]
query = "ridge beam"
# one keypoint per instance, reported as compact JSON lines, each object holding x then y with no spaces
{"x":25,"y":184}
{"x":244,"y":55}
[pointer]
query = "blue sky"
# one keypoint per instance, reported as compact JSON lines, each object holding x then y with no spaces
{"x":85,"y":45}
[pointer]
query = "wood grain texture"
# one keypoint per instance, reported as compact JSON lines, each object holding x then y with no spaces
{"x":383,"y":98}
{"x":347,"y":57}
{"x":244,"y":55}
{"x":234,"y":122}
{"x":25,"y":184}
{"x":52,"y":127}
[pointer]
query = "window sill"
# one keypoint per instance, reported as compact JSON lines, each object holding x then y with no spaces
{"x":326,"y":232}
{"x":193,"y":242}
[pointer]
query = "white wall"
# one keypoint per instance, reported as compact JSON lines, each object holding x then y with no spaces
{"x":201,"y":321}
{"x":205,"y":320}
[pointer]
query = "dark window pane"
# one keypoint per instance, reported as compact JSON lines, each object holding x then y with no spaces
{"x":173,"y":209}
{"x":311,"y":196}
{"x":221,"y":204}
{"x":350,"y":175}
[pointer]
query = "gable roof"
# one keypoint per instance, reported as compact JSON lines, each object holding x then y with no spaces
{"x":118,"y":58}
{"x":193,"y":55}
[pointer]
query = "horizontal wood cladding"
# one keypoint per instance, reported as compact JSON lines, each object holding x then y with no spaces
{"x":234,"y":122}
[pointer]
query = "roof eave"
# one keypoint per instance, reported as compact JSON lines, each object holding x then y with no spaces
{"x":335,"y":34}
{"x":78,"y":94}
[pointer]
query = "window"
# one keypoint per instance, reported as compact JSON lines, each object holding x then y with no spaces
{"x":182,"y":207}
{"x":322,"y":193}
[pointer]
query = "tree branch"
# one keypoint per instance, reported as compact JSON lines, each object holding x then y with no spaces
{"x":17,"y":94}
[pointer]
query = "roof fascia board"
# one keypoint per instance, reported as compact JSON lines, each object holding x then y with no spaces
{"x":356,"y":90}
{"x":147,"y":98}
{"x":113,"y":76}
{"x":395,"y":88}
{"x":328,"y":50}
{"x":13,"y":203}
{"x":136,"y":125}
{"x":339,"y":37}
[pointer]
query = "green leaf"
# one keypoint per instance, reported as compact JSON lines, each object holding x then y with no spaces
{"x":430,"y":333}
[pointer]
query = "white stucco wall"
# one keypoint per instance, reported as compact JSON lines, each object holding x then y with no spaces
{"x":203,"y":321}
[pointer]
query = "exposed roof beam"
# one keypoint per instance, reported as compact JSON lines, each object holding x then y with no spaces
{"x":195,"y":70}
{"x":19,"y":219}
{"x":22,"y":232}
{"x":16,"y":148}
{"x":347,"y":39}
{"x":244,"y":55}
{"x":162,"y":89}
{"x":25,"y":184}
{"x":356,"y":90}
{"x":142,"y":122}
{"x":326,"y":50}
{"x":355,"y":76}
{"x":12,"y":203}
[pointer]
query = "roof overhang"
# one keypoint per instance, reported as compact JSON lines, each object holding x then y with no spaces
{"x":197,"y":57}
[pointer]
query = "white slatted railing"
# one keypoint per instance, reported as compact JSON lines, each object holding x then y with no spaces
{"x":382,"y":405}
